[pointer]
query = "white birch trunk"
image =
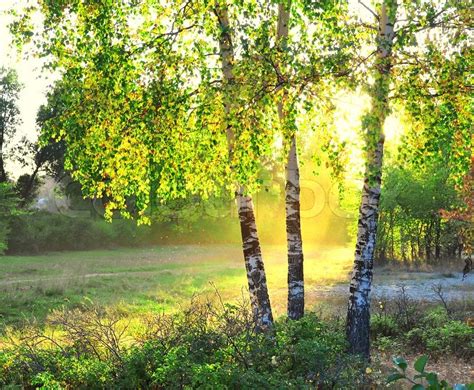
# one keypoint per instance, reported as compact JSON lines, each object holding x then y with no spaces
{"x":256,"y":277}
{"x":293,"y":234}
{"x":295,"y":307}
{"x":358,"y":314}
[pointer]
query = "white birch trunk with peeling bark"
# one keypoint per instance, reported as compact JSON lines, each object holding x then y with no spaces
{"x":257,"y":282}
{"x":295,"y":307}
{"x":358,"y":314}
{"x":293,"y":234}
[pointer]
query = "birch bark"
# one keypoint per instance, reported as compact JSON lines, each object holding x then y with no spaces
{"x":295,"y":306}
{"x":256,"y":277}
{"x":358,"y":313}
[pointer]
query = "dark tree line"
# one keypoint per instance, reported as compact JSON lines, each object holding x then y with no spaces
{"x":411,"y":226}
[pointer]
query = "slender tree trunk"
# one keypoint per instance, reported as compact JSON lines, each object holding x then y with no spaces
{"x":428,"y":251}
{"x":29,"y":187}
{"x":358,"y":313}
{"x":418,"y":241}
{"x":392,"y":237}
{"x":438,"y":239}
{"x":381,"y":247}
{"x":293,"y":234}
{"x":403,"y":246}
{"x":3,"y":175}
{"x":428,"y":240}
{"x":256,"y":277}
{"x":292,"y":189}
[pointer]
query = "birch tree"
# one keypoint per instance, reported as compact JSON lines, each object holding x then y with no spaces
{"x":128,"y":103}
{"x":295,"y":306}
{"x":358,"y":315}
{"x":146,"y":116}
{"x":307,"y":66}
{"x":256,"y":277}
{"x":400,"y":26}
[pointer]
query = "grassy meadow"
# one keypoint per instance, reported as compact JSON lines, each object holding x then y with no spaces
{"x":152,"y":279}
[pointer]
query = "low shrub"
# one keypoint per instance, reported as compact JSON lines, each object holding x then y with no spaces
{"x":437,"y":330}
{"x":437,"y":334}
{"x":384,"y":326}
{"x":415,"y":338}
{"x":435,"y":317}
{"x":453,"y":337}
{"x":388,"y":344}
{"x":205,"y":346}
{"x":8,"y":206}
{"x":42,"y":232}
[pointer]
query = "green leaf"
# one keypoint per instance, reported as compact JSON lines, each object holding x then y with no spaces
{"x":395,"y":377}
{"x":432,"y":378}
{"x":421,"y":363}
{"x":400,"y":363}
{"x":418,"y":387}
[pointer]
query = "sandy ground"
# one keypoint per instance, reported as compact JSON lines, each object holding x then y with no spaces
{"x":418,"y":286}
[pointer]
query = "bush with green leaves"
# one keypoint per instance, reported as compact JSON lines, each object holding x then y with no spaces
{"x":384,"y":326}
{"x":204,"y":346}
{"x":8,"y":206}
{"x":43,"y":231}
{"x":401,"y":322}
{"x":438,"y":334}
{"x":453,"y":337}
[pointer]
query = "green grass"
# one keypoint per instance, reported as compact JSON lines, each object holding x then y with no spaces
{"x":150,"y":279}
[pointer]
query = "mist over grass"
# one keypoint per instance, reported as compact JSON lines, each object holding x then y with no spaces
{"x":150,"y":279}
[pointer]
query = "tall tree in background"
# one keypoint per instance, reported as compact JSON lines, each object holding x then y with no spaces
{"x":45,"y":157}
{"x":439,"y":106}
{"x":270,"y":71}
{"x":256,"y":277}
{"x":9,"y":112}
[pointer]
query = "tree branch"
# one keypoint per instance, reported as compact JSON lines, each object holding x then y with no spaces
{"x":369,"y":9}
